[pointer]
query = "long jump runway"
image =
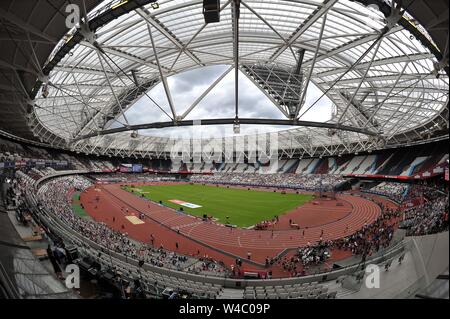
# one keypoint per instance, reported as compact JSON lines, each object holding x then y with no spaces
{"x":197,"y":237}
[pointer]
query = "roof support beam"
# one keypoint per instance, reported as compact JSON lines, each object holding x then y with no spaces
{"x":230,"y":121}
{"x":381,"y":62}
{"x":84,"y":118}
{"x":353,"y":44}
{"x":171,"y":37}
{"x":351,"y":67}
{"x":405,"y":77}
{"x":327,"y":4}
{"x":270,"y":26}
{"x":111,"y":87}
{"x":267,"y":94}
{"x":25,"y":26}
{"x":162,"y":76}
{"x":205,"y":93}
{"x":7,"y":65}
{"x":124,"y":55}
{"x":409,"y":116}
{"x":89,"y":86}
{"x":235,"y":7}
{"x":401,"y":105}
{"x":350,"y":102}
{"x":78,"y":69}
{"x":387,"y":96}
{"x":311,"y":68}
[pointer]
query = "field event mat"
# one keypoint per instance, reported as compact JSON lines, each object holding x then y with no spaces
{"x":134,"y":220}
{"x":185,"y":204}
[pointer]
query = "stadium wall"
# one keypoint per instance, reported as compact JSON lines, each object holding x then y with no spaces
{"x":431,"y":258}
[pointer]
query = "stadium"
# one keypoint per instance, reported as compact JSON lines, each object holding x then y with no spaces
{"x":234,"y":149}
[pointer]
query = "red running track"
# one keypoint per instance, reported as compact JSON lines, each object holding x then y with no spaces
{"x":195,"y":236}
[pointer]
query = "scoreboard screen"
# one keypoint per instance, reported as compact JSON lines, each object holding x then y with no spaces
{"x":125,"y":168}
{"x":137,"y":168}
{"x":131,"y":168}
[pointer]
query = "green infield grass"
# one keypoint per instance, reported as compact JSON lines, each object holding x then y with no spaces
{"x":243,"y":207}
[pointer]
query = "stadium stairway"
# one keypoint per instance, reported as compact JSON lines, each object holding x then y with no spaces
{"x":229,"y":293}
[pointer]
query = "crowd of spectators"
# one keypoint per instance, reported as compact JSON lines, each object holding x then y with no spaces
{"x":205,"y":265}
{"x":305,"y":182}
{"x":431,"y":193}
{"x":365,"y":242}
{"x":52,"y":196}
{"x":404,"y":193}
{"x":372,"y":237}
{"x":125,"y":178}
{"x":394,"y":191}
{"x":429,"y":218}
{"x":317,"y":254}
{"x":305,"y":257}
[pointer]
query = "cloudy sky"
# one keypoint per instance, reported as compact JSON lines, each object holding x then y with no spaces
{"x":219,"y":103}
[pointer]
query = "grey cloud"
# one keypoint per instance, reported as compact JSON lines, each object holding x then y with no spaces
{"x":197,"y":77}
{"x":219,"y":103}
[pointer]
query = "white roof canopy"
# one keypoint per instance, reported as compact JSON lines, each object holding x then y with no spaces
{"x":384,"y":83}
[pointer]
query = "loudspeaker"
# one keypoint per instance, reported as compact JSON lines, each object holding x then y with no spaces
{"x":211,"y":11}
